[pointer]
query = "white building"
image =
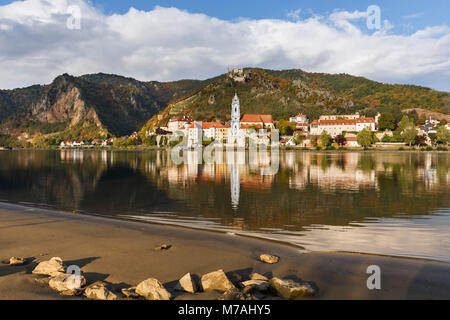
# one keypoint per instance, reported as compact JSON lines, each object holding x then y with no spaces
{"x":337,"y":127}
{"x":340,"y":117}
{"x":300,"y":118}
{"x":181,"y":123}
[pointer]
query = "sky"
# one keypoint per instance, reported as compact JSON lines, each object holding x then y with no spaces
{"x":172,"y":40}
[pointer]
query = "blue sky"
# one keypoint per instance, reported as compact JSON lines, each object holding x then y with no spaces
{"x":407,"y":16}
{"x":177,"y":39}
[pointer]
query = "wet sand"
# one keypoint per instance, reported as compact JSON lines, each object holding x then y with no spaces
{"x":123,"y":253}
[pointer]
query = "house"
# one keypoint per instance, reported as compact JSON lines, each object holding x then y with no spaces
{"x":263,"y":120}
{"x":303,"y":127}
{"x":107,"y":142}
{"x":179,"y":123}
{"x":337,"y":127}
{"x":66,"y":144}
{"x":351,"y":142}
{"x":340,"y":117}
{"x":78,"y":144}
{"x":289,"y":142}
{"x":198,"y":131}
{"x":300,"y":118}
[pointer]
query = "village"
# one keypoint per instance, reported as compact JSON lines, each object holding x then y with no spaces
{"x":328,"y":132}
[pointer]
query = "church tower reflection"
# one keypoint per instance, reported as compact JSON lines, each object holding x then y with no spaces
{"x":234,"y":160}
{"x":235,"y":185}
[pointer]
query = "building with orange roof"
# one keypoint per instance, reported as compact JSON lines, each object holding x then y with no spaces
{"x":263,"y":120}
{"x":337,"y":127}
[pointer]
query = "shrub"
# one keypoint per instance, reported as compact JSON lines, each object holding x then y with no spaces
{"x":401,"y":149}
{"x":429,"y":148}
{"x":441,"y":148}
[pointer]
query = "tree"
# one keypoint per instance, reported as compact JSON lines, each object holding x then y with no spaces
{"x":442,"y":135}
{"x":325,"y":139}
{"x":433,"y":138}
{"x":386,"y":121}
{"x":409,"y":135}
{"x":299,"y":139}
{"x":404,"y":123}
{"x":340,"y":140}
{"x":420,"y":141}
{"x":286,"y":128}
{"x":365,"y":138}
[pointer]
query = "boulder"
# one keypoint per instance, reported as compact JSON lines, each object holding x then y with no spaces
{"x":216,"y":280}
{"x":15,"y":261}
{"x":72,"y":293}
{"x":258,"y":285}
{"x":290,"y":289}
{"x":152,"y":289}
{"x":187,"y":284}
{"x":99,"y":291}
{"x":164,"y":247}
{"x":67,"y":282}
{"x":257,"y":276}
{"x":267,"y":258}
{"x":52,"y":267}
{"x":130,"y":292}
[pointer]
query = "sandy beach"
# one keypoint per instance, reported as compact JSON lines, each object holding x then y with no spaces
{"x":123,"y":253}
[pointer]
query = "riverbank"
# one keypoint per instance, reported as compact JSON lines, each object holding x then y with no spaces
{"x":123,"y":254}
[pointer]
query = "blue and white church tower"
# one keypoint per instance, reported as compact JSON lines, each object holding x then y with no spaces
{"x":235,"y":120}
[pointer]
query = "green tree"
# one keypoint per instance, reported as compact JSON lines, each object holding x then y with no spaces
{"x":442,"y":135}
{"x":299,"y":139}
{"x":386,"y":121}
{"x":365,"y":138}
{"x":409,"y":135}
{"x":404,"y":123}
{"x":286,"y":128}
{"x":325,"y":139}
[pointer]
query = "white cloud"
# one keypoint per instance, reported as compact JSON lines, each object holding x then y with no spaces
{"x":170,"y":44}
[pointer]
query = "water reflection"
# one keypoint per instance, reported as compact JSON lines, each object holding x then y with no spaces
{"x":389,"y":203}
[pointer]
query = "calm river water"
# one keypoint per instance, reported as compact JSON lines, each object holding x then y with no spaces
{"x":383,"y":203}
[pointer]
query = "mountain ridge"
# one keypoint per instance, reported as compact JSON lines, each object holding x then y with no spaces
{"x":102,"y":105}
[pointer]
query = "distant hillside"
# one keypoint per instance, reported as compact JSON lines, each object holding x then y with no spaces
{"x":289,"y":92}
{"x":86,"y":107}
{"x":100,"y":105}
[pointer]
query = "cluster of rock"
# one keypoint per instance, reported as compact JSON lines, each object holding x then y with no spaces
{"x":69,"y":284}
{"x":257,"y":287}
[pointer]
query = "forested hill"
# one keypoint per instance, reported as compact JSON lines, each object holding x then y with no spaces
{"x":101,"y":105}
{"x":289,"y":92}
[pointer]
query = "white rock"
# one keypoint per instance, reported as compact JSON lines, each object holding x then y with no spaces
{"x":257,"y":276}
{"x":216,"y":281}
{"x":290,"y":290}
{"x":152,"y":289}
{"x":53,"y":267}
{"x":99,"y":291}
{"x":15,"y":261}
{"x":187,"y":284}
{"x":267,"y":258}
{"x":67,"y":282}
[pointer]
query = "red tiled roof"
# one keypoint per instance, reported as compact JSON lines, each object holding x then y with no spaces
{"x":208,"y":125}
{"x":252,"y":118}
